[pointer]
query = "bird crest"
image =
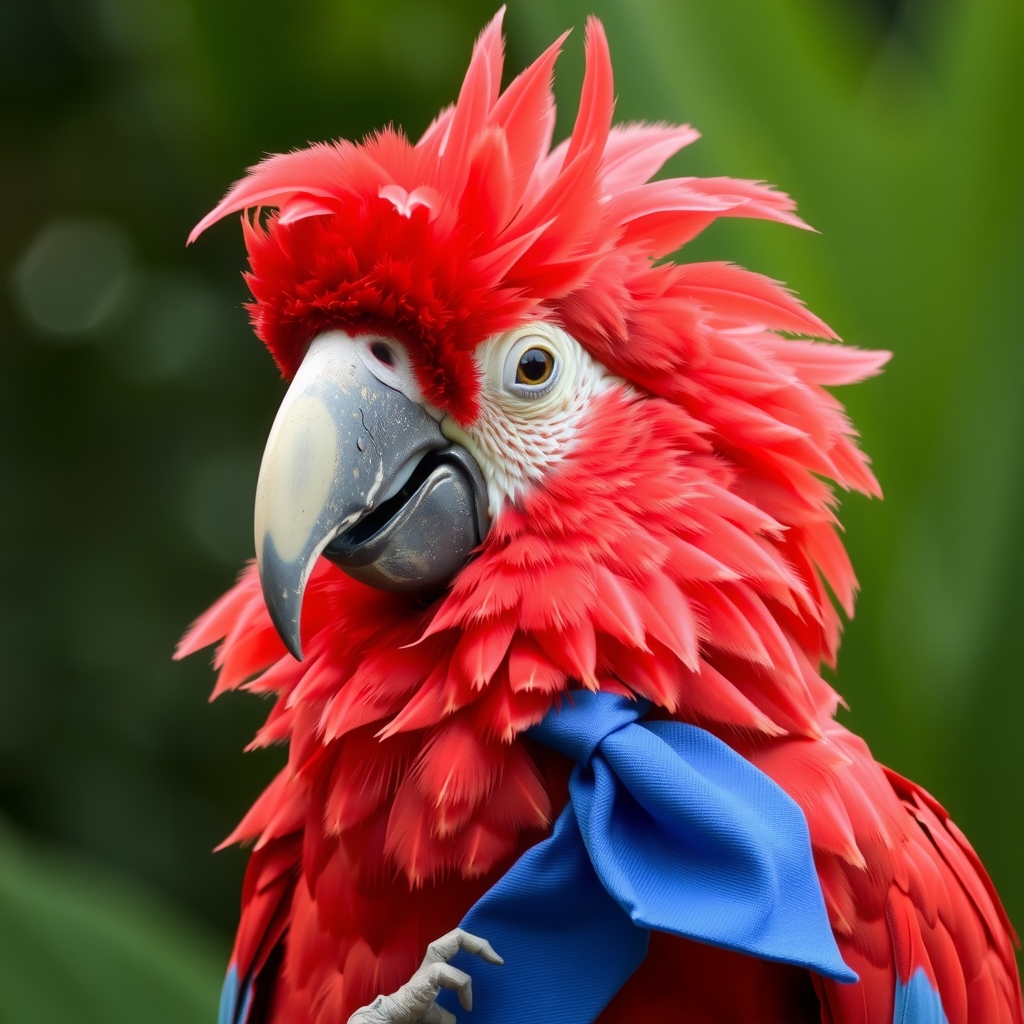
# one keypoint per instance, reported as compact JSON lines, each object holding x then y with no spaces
{"x":481,"y":224}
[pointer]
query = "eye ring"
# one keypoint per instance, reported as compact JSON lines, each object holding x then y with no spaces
{"x":532,"y":367}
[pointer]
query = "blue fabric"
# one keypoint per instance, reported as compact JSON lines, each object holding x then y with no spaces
{"x":667,"y":829}
{"x":917,"y":1002}
{"x":567,"y":945}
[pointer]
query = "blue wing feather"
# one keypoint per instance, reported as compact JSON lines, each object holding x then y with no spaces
{"x":917,"y":1002}
{"x":235,"y":999}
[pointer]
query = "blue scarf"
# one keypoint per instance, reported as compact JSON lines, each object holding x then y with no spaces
{"x":668,"y":829}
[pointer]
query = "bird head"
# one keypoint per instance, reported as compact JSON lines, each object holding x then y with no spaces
{"x":521,"y":427}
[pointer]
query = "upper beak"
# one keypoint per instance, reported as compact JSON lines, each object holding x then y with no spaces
{"x":357,"y":471}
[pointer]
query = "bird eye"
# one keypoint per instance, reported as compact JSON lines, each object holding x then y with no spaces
{"x":531,"y":368}
{"x":382,"y":353}
{"x":535,"y":367}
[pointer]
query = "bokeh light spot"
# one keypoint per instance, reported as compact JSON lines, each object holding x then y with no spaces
{"x":73,"y":278}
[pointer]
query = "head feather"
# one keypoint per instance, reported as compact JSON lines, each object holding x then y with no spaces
{"x":481,"y":225}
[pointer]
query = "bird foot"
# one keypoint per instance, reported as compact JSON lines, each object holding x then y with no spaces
{"x":414,"y":1002}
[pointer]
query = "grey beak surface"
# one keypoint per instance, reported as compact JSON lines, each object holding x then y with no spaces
{"x":353,"y":466}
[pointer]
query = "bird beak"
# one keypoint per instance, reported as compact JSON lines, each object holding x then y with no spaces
{"x":356,"y":471}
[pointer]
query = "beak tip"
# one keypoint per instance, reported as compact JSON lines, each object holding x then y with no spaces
{"x":288,"y":631}
{"x":283,"y":604}
{"x":292,"y":641}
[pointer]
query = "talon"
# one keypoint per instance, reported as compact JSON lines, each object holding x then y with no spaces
{"x":448,"y":945}
{"x":415,"y":1002}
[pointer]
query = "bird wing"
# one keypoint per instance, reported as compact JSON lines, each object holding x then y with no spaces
{"x":913,"y":910}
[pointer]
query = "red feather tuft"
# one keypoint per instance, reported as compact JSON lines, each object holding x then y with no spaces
{"x":478,"y":227}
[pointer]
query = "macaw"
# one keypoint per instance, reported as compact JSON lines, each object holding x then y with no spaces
{"x":543,"y":513}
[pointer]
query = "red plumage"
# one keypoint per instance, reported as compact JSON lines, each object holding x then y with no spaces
{"x":682,"y":551}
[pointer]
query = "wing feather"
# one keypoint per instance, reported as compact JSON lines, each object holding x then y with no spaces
{"x":919,"y":900}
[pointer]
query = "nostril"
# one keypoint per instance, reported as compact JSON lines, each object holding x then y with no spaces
{"x":383,"y":353}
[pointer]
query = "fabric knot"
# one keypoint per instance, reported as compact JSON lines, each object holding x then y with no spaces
{"x":584,"y":721}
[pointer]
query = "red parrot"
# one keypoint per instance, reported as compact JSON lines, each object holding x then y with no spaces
{"x":522,"y":455}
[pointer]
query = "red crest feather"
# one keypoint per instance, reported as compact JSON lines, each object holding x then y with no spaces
{"x":478,"y":226}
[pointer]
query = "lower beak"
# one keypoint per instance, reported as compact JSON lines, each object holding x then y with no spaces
{"x":356,"y":471}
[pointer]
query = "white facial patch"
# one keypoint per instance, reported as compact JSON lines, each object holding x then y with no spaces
{"x":536,"y":385}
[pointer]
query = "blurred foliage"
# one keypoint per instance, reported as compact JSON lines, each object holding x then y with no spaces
{"x":134,"y":401}
{"x":76,"y":945}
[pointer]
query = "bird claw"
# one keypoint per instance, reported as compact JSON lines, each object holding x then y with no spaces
{"x":415,"y":1002}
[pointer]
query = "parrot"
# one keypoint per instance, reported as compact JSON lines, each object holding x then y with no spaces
{"x":533,"y":473}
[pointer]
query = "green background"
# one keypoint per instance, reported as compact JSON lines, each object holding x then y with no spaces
{"x":134,"y":402}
